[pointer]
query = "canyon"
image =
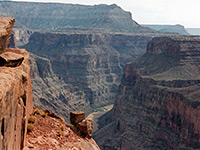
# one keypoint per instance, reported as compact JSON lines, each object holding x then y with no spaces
{"x":21,"y":124}
{"x":79,"y":71}
{"x":76,"y":67}
{"x":77,"y":56}
{"x":158,"y":102}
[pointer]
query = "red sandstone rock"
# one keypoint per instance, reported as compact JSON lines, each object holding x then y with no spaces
{"x":15,"y":90}
{"x":16,"y":101}
{"x":6,"y":25}
{"x":46,"y":136}
{"x":76,"y":117}
{"x":86,"y":127}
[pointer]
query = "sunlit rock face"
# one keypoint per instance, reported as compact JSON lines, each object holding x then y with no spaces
{"x":158,"y":102}
{"x":15,"y":90}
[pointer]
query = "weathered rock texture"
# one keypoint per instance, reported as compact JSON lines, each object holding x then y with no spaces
{"x":15,"y":92}
{"x":82,"y":124}
{"x":82,"y":69}
{"x":6,"y":25}
{"x":158,"y":103}
{"x":51,"y":92}
{"x":53,"y":133}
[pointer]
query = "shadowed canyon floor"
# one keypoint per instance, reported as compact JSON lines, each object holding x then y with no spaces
{"x":97,"y":114}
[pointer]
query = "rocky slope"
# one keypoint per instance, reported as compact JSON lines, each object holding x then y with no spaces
{"x":158,"y":102}
{"x":49,"y":131}
{"x":65,"y":17}
{"x":51,"y":92}
{"x":16,"y":92}
{"x":87,"y":65}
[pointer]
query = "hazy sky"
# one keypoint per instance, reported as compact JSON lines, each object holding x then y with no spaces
{"x":184,"y":12}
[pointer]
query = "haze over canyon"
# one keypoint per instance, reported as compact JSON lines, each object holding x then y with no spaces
{"x":82,"y":58}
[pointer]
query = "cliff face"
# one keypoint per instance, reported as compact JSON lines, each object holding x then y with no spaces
{"x":65,"y":17}
{"x":51,"y":92}
{"x":5,"y":32}
{"x":89,"y":65}
{"x":16,"y":92}
{"x":155,"y":110}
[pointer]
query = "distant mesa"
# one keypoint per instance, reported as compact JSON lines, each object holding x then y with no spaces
{"x":68,"y":17}
{"x":169,"y":28}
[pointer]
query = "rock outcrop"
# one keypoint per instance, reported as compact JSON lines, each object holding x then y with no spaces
{"x":6,"y":25}
{"x":53,"y":133}
{"x":158,"y":103}
{"x":82,"y":124}
{"x":15,"y":90}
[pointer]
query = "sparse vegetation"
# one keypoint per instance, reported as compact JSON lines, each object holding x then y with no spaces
{"x":61,"y":130}
{"x":43,"y":114}
{"x":71,"y":126}
{"x":31,"y":119}
{"x":37,"y":111}
{"x":30,"y":127}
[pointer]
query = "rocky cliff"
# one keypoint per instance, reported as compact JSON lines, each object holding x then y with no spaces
{"x":15,"y":90}
{"x":16,"y":106}
{"x":51,"y":92}
{"x":87,"y":65}
{"x":66,"y":17}
{"x":158,"y":102}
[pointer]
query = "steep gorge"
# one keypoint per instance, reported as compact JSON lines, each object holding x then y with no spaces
{"x":17,"y":118}
{"x":88,"y":65}
{"x":158,"y":102}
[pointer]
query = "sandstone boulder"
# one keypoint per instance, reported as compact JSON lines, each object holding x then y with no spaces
{"x":86,"y":127}
{"x":6,"y":25}
{"x":76,"y":117}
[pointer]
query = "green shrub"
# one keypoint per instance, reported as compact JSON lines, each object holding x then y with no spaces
{"x":31,"y":119}
{"x":61,"y":130}
{"x":37,"y":111}
{"x":71,"y":126}
{"x":43,"y":114}
{"x":30,"y":127}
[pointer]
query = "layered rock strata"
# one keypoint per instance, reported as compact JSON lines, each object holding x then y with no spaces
{"x":51,"y":92}
{"x":158,"y":104}
{"x":16,"y":92}
{"x":69,"y":17}
{"x":90,"y":61}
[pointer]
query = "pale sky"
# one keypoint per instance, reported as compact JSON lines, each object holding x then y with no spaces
{"x":184,"y":12}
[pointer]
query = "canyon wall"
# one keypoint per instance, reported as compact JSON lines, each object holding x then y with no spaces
{"x":89,"y":66}
{"x":16,"y":92}
{"x":51,"y":92}
{"x":69,"y":17}
{"x":158,"y":102}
